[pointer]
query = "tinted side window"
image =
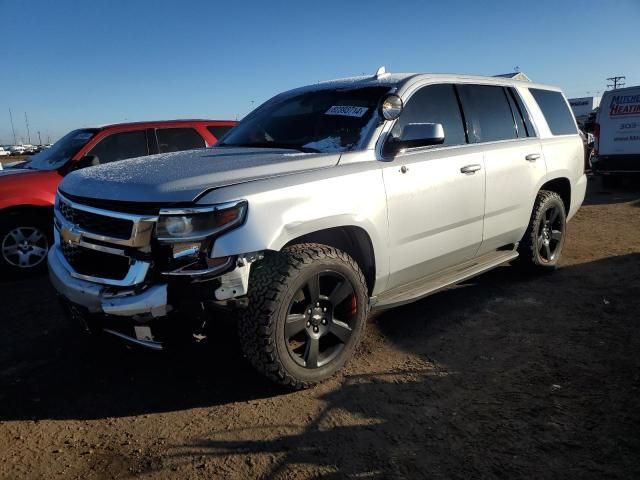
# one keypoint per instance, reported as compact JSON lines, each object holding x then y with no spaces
{"x":434,"y":104}
{"x":555,"y":110}
{"x":490,"y":112}
{"x":219,"y":131}
{"x":517,"y":116}
{"x":178,"y":139}
{"x":531,"y":132}
{"x":120,"y":146}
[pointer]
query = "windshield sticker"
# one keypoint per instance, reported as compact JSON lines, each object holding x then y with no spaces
{"x":347,"y":111}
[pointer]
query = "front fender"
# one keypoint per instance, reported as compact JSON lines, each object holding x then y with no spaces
{"x":348,"y":195}
{"x":26,"y":188}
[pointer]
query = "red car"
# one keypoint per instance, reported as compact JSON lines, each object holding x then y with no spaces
{"x":27,"y":191}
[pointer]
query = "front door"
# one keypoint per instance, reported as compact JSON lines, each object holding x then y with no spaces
{"x":435,"y":195}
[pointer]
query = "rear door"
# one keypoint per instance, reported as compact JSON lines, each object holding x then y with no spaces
{"x":177,"y":139}
{"x":435,"y":209}
{"x":512,"y":157}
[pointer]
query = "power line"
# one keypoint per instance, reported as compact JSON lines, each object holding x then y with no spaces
{"x":616,"y":81}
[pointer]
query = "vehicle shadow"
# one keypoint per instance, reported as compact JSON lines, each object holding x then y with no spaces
{"x":48,"y":371}
{"x":560,"y":408}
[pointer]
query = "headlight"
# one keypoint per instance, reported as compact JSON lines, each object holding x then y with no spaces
{"x":178,"y":225}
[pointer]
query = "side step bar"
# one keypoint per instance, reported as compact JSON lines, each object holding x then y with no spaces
{"x":433,"y":283}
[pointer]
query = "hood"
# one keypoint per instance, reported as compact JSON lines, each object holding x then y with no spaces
{"x":7,"y":171}
{"x":183,"y":176}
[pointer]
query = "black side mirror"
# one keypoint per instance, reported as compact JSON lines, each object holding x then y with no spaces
{"x":86,"y":161}
{"x":416,"y":135}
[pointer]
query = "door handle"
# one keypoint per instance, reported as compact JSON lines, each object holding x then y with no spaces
{"x":470,"y":169}
{"x":532,"y":157}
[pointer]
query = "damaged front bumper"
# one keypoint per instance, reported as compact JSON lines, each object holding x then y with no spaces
{"x":136,"y":313}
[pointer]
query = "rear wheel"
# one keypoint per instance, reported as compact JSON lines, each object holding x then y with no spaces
{"x":307,"y":310}
{"x":24,"y":244}
{"x":542,"y":243}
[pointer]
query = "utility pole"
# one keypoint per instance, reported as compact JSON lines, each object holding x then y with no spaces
{"x":616,"y":81}
{"x":26,"y":121}
{"x":39,"y":139}
{"x":13,"y":129}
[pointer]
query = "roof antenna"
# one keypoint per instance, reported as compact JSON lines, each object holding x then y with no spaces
{"x":381,"y":72}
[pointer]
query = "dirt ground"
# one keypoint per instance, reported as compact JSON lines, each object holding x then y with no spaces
{"x":508,"y":376}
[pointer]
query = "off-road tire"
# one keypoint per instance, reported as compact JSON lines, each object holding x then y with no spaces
{"x":273,"y":282}
{"x":530,"y":257}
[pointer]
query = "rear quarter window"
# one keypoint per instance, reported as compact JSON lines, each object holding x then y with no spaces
{"x":555,"y":111}
{"x":219,"y":131}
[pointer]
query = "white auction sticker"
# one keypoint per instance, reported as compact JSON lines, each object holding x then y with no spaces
{"x":347,"y":111}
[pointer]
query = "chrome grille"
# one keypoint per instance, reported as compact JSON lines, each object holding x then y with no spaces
{"x":86,"y":261}
{"x":95,"y":223}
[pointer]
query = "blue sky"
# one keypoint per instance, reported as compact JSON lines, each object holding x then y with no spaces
{"x":79,"y":63}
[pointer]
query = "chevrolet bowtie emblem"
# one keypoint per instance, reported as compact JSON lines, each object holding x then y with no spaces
{"x":70,"y":235}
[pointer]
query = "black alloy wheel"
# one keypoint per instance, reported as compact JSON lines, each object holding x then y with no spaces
{"x":550,"y":234}
{"x":307,"y":309}
{"x":320,"y":318}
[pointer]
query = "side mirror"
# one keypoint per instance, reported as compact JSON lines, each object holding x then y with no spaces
{"x":417,"y":135}
{"x":86,"y":161}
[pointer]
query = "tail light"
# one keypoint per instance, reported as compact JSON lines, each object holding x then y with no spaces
{"x":596,"y":137}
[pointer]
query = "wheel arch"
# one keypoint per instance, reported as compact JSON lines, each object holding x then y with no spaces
{"x":561,"y":186}
{"x":17,"y":210}
{"x":353,"y":240}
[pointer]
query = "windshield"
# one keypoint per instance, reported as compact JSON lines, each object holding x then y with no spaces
{"x":318,"y":121}
{"x":62,"y":151}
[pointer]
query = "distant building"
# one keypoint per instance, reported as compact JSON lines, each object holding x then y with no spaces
{"x":583,"y":106}
{"x":514,"y":76}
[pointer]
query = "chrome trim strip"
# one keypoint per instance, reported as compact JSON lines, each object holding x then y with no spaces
{"x":108,"y":213}
{"x":137,"y":270}
{"x":101,"y":248}
{"x":203,"y":209}
{"x":143,"y":343}
{"x":213,"y":271}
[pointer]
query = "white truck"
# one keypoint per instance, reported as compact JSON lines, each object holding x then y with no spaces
{"x":324,"y":202}
{"x":617,"y":134}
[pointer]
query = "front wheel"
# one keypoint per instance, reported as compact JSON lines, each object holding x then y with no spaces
{"x":24,"y":243}
{"x":542,"y":243}
{"x":307,"y":310}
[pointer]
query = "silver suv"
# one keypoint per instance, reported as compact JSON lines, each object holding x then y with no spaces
{"x":325,"y":202}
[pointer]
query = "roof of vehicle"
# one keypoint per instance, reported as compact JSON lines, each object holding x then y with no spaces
{"x":164,"y":122}
{"x":621,"y":91}
{"x":397,"y":80}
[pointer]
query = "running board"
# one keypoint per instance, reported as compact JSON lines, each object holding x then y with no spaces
{"x":418,"y":289}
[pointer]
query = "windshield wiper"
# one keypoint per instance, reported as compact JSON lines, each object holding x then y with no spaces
{"x":287,"y":146}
